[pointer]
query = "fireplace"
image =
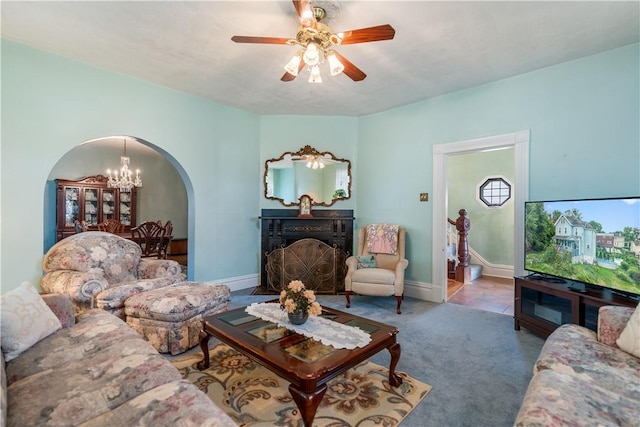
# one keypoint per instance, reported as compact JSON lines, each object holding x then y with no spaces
{"x":282,"y":227}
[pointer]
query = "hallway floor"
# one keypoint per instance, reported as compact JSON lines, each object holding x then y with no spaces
{"x":486,"y":293}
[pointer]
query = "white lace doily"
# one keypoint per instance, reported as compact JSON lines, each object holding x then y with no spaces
{"x":324,"y":330}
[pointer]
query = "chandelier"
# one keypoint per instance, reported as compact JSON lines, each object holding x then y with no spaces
{"x":316,"y":43}
{"x":123,"y":179}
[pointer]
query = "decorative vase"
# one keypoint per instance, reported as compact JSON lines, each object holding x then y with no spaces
{"x":298,"y":318}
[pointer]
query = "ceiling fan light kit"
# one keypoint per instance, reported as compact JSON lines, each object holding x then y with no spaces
{"x":314,"y":75}
{"x":293,"y":65}
{"x":311,"y":55}
{"x":335,"y":66}
{"x":316,"y":40}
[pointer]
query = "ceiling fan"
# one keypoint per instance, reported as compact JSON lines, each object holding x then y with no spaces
{"x":317,"y":41}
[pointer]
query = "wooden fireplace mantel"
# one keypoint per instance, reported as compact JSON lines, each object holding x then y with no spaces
{"x":282,"y":227}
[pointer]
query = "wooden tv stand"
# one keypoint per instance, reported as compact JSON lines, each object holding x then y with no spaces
{"x":541,"y":306}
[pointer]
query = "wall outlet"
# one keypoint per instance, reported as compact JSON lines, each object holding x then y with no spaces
{"x":424,"y":197}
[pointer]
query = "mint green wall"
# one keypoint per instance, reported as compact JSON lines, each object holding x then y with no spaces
{"x":583,"y":116}
{"x":585,"y":140}
{"x":284,"y":182}
{"x":51,"y":104}
{"x":309,"y":181}
{"x":491,"y":234}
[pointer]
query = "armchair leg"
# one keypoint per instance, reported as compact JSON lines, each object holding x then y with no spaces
{"x":347,"y":294}
{"x":399,"y":299}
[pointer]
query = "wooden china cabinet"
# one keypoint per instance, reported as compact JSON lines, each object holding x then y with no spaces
{"x":90,"y":200}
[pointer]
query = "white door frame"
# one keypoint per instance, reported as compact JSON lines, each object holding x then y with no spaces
{"x":441,"y":152}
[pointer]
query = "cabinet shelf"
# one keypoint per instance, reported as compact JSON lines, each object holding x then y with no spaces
{"x":542,"y":306}
{"x":90,"y":200}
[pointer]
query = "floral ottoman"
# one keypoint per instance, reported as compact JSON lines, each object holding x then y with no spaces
{"x":170,"y":317}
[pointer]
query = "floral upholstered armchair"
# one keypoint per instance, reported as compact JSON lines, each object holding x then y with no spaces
{"x":99,"y":269}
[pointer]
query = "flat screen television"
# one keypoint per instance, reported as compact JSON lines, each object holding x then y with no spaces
{"x":586,"y":243}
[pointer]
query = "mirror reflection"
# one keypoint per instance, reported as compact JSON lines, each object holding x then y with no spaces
{"x":322,"y":176}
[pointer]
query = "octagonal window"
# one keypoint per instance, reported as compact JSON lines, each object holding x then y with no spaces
{"x":494,"y":192}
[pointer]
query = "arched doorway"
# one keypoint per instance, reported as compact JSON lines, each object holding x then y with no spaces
{"x":163,"y":196}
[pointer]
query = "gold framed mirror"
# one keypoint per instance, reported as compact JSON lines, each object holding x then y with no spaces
{"x":320,"y":175}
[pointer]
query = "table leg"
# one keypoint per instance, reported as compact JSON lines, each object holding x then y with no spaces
{"x":394,"y":379}
{"x":307,"y":403}
{"x":204,"y":345}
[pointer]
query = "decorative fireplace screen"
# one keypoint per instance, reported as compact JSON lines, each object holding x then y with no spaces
{"x":319,"y":266}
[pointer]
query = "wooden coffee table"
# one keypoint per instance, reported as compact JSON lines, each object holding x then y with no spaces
{"x":305,"y":363}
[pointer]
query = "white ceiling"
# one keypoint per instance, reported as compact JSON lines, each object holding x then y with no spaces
{"x":439,"y":46}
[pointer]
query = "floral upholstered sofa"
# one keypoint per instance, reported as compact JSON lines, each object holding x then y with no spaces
{"x":93,"y":370}
{"x":585,"y":379}
{"x":99,"y":269}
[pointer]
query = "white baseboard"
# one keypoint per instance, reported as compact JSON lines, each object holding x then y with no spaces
{"x":504,"y":271}
{"x":493,"y":270}
{"x":413,"y":289}
{"x":423,"y":291}
{"x":239,"y":283}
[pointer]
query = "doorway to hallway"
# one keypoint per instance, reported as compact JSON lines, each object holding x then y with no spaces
{"x":519,"y":141}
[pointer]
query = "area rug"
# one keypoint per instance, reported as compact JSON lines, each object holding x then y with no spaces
{"x":253,"y":396}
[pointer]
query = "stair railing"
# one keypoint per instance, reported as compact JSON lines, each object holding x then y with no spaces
{"x":462,"y":268}
{"x":452,"y":249}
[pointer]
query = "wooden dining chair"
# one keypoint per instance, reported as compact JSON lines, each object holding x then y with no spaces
{"x":149,"y":235}
{"x":166,"y":241}
{"x":111,"y":226}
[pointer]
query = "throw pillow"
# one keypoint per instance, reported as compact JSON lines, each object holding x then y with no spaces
{"x":25,"y":319}
{"x":629,"y":339}
{"x":368,"y":261}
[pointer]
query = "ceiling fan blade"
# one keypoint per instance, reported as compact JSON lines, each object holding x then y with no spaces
{"x":353,"y":72}
{"x":371,"y":34}
{"x":255,"y":39}
{"x":304,"y":10}
{"x":287,"y":77}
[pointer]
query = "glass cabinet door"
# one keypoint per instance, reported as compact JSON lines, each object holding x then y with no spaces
{"x":71,"y":208}
{"x":91,"y":206}
{"x":125,"y":208}
{"x":545,"y":307}
{"x":108,"y":204}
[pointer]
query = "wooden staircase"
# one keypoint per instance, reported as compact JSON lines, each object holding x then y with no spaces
{"x":459,"y":268}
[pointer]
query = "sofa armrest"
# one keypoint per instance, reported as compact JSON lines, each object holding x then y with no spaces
{"x":80,"y":286}
{"x":155,"y":268}
{"x":611,"y":321}
{"x":62,"y":307}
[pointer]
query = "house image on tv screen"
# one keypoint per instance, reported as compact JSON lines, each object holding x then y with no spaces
{"x":576,"y":237}
{"x":583,"y":242}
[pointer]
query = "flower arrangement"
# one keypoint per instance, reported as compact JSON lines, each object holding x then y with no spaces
{"x":295,"y":298}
